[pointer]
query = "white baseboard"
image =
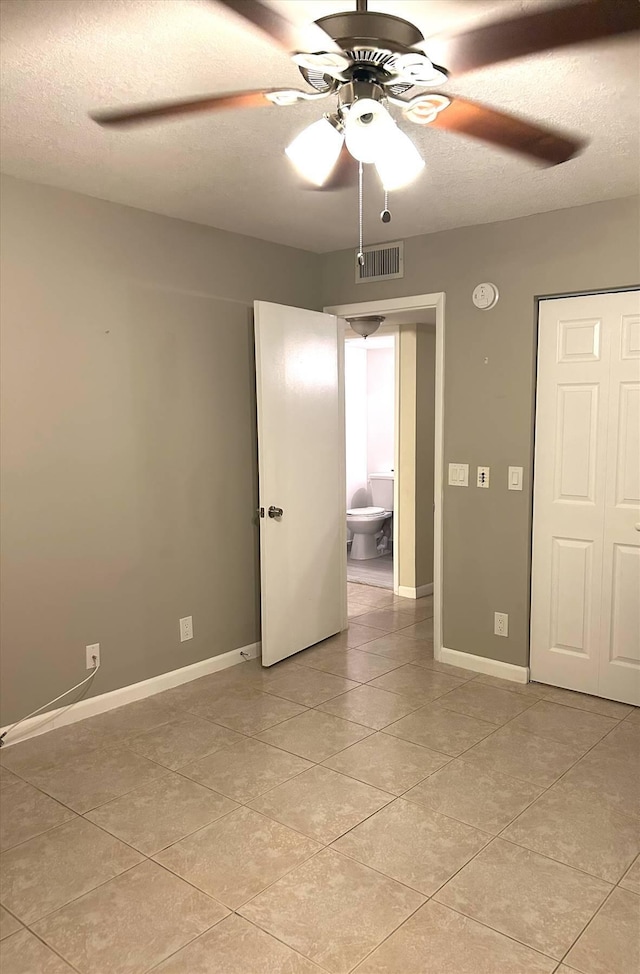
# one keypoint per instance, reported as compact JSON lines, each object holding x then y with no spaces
{"x":53,"y":719}
{"x":415,"y":593}
{"x":492,"y":667}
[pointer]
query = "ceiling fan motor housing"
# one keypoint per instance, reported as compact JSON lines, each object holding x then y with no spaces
{"x":353,"y":31}
{"x":372,"y":41}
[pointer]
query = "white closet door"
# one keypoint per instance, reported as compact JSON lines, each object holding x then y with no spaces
{"x":620,"y":620}
{"x":584,"y":611}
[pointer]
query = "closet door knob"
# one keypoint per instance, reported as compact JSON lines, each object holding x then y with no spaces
{"x":275,"y":511}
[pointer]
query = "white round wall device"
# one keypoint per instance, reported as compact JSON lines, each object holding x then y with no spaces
{"x":485,"y":296}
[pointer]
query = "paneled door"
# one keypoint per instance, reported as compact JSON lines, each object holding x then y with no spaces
{"x":301,"y":474}
{"x":585,"y":591}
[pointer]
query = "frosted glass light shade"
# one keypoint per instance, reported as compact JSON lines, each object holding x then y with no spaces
{"x":366,"y":128}
{"x":315,"y":151}
{"x":398,"y":161}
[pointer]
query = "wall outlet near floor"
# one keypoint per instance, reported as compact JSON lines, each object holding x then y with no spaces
{"x":186,"y":628}
{"x":500,"y":624}
{"x":483,"y":477}
{"x":91,"y":651}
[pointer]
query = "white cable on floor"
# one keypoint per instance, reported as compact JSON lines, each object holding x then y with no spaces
{"x":45,"y":705}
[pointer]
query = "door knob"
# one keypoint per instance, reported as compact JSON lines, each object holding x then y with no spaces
{"x":275,"y":511}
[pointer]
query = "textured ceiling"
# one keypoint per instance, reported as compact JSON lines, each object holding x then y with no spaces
{"x":64,"y":58}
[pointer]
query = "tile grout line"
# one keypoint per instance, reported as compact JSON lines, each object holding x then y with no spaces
{"x":319,"y":764}
{"x":499,"y":835}
{"x":491,"y":838}
{"x":126,"y":743}
{"x":541,"y":795}
{"x":48,"y":946}
{"x":325,"y":846}
{"x":589,"y":922}
{"x":233,"y":913}
{"x":253,"y":736}
{"x":506,"y":839}
{"x":485,"y":923}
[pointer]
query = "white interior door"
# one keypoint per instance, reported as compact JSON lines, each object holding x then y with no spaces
{"x":619,"y":675}
{"x":301,"y":472}
{"x":585,"y":597}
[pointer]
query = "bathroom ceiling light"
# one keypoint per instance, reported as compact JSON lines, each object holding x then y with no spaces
{"x":366,"y":324}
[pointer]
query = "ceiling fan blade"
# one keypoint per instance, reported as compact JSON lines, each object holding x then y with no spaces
{"x":285,"y":32}
{"x":507,"y":131}
{"x":533,"y":33}
{"x":210,"y":103}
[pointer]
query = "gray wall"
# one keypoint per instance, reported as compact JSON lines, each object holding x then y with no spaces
{"x":129,"y":479}
{"x":490,"y":384}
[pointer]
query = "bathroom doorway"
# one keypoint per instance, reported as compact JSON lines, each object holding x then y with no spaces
{"x":417,"y":324}
{"x":370,"y":456}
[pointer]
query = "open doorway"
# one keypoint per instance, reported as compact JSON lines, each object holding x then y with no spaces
{"x":370,"y":434}
{"x":416,"y":326}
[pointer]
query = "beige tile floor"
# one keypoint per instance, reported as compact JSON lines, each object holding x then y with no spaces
{"x":358,"y":808}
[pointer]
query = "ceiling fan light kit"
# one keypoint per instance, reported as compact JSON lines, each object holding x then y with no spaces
{"x":314,"y":152}
{"x":367,"y":125}
{"x":370,"y":60}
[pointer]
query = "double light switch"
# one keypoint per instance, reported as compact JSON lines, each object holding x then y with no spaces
{"x":458,"y":474}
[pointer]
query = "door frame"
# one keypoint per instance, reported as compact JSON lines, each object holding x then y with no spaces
{"x":419,"y":302}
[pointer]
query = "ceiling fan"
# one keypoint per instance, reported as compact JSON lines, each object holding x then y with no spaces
{"x":365,"y":60}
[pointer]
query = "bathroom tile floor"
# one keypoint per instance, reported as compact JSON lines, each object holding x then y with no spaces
{"x":360,"y":807}
{"x":371,"y":571}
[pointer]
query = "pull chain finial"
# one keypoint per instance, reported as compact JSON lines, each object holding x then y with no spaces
{"x":385,"y":216}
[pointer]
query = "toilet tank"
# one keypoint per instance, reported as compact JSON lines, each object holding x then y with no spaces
{"x":382,"y":490}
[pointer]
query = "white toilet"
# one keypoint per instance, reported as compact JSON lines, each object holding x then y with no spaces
{"x":366,"y":523}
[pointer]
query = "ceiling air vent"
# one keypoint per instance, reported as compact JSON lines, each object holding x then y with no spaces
{"x":382,"y":262}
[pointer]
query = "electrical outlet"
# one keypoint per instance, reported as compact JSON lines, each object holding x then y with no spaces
{"x":500,"y":624}
{"x":186,"y":628}
{"x":92,"y":651}
{"x":483,"y":477}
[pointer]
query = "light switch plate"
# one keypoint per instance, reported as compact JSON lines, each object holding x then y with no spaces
{"x":515,"y":478}
{"x":458,"y":474}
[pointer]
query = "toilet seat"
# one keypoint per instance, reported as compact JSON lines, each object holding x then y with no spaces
{"x":366,"y":512}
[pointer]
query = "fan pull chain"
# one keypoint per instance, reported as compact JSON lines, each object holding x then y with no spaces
{"x":360,"y":244}
{"x":385,"y":216}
